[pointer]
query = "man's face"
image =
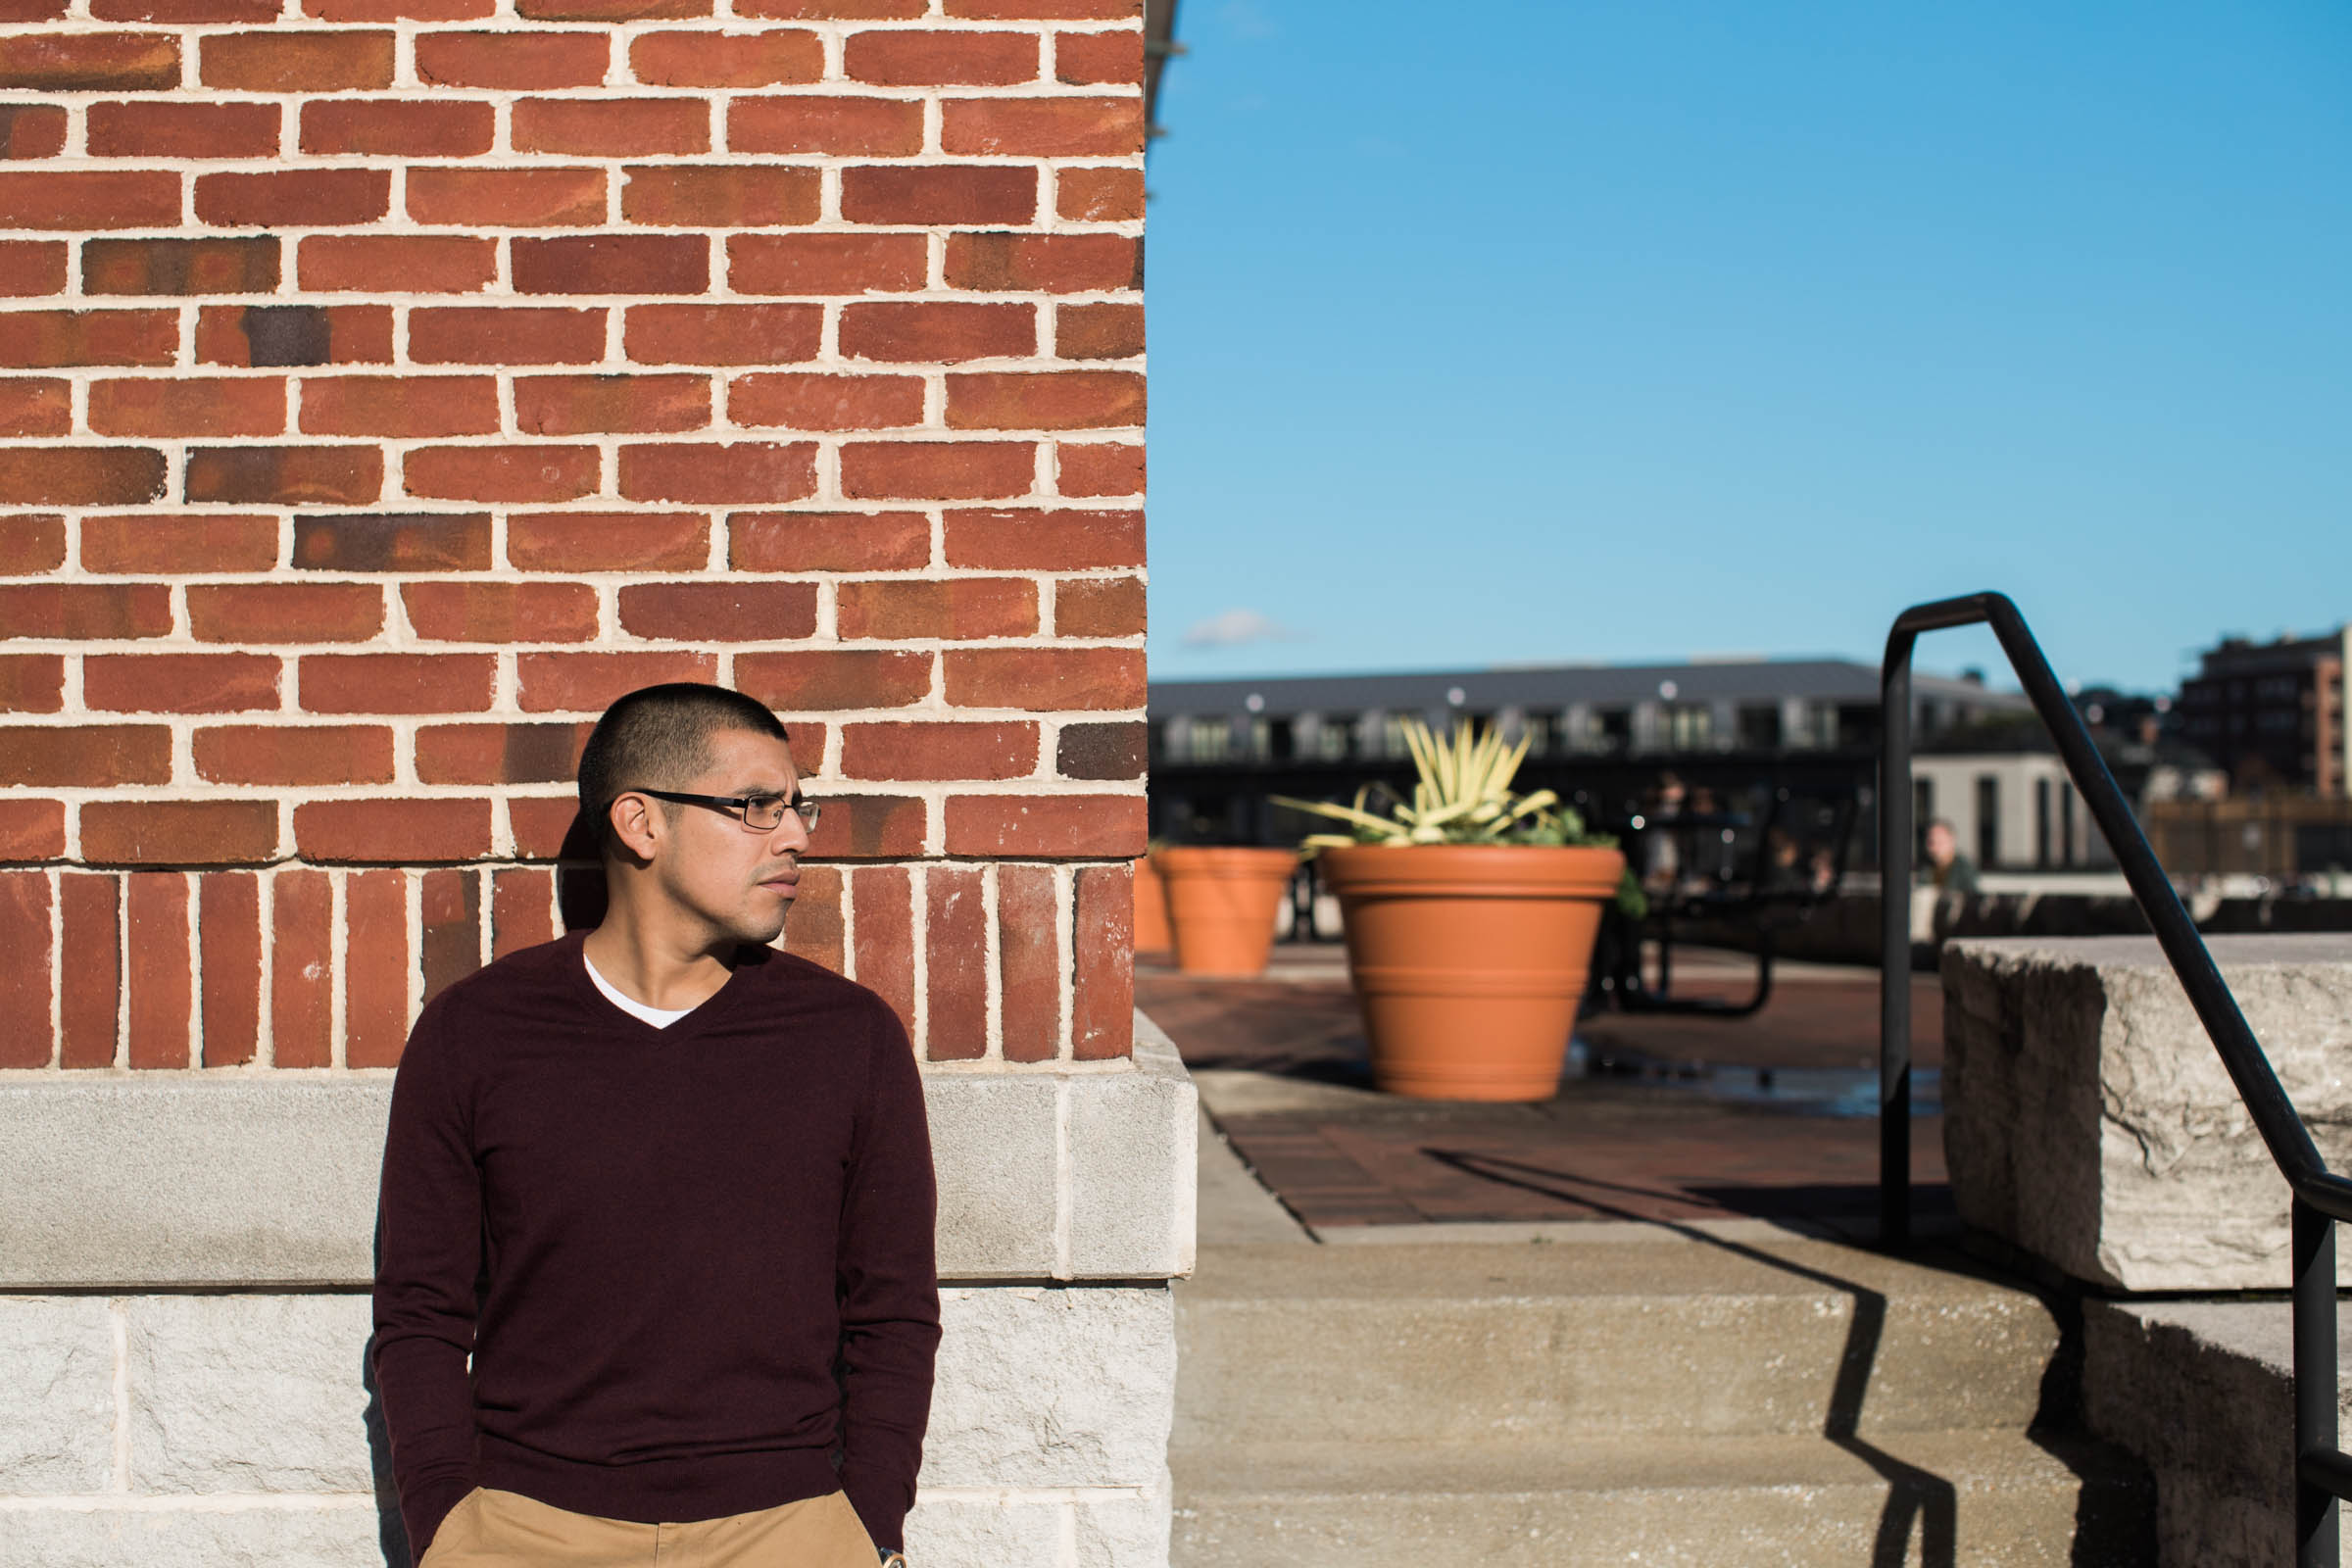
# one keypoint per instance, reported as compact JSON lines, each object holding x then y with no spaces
{"x":713,"y":869}
{"x":1941,"y":846}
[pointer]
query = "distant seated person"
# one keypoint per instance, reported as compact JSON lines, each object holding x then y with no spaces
{"x":1948,"y":870}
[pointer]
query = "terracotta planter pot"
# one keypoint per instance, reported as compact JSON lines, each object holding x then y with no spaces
{"x":1150,"y":910}
{"x":1469,"y":960}
{"x":1221,"y":904}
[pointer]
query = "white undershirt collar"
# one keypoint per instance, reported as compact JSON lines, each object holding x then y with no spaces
{"x":658,"y":1017}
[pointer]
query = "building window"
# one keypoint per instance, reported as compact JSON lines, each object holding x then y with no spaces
{"x":1209,"y":740}
{"x":1988,"y":820}
{"x":1331,"y":736}
{"x":1760,"y":726}
{"x":1613,"y":729}
{"x":1688,"y":726}
{"x":2041,"y":823}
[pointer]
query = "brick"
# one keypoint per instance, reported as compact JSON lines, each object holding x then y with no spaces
{"x":500,"y":753}
{"x":1102,"y":961}
{"x":608,"y":541}
{"x":30,"y":541}
{"x":392,"y":832}
{"x":549,"y":828}
{"x":522,"y":909}
{"x":136,"y":130}
{"x":399,"y":264}
{"x":815,"y":930}
{"x":828,"y":9}
{"x":266,"y":613}
{"x":86,"y":756}
{"x":400,"y":405}
{"x":399,"y":10}
{"x":521,"y":62}
{"x":722,"y":334}
{"x":416,"y":127}
{"x":303,"y":198}
{"x":31,"y":130}
{"x":35,"y":406}
{"x":508,"y":198}
{"x":302,"y":968}
{"x":1099,"y":195}
{"x":1099,"y":331}
{"x":24,"y":1026}
{"x":30,"y":268}
{"x":721,"y":196}
{"x":955,"y":979}
{"x":720,"y":611}
{"x":194,"y":405}
{"x":939,"y":193}
{"x":1053,"y":264}
{"x":79,"y":476}
{"x":1085,"y":57}
{"x":1026,"y":539}
{"x":1046,"y":679}
{"x":612,"y":127}
{"x":870,"y":827}
{"x":89,"y":62}
{"x":396,"y":683}
{"x":51,"y":339}
{"x":31,"y":683}
{"x":829,"y":680}
{"x":375,"y":980}
{"x":743,"y":471}
{"x":1045,"y":10}
{"x":610,"y":10}
{"x":280,"y":753}
{"x":879,"y":128}
{"x":88,"y":199}
{"x":501,"y":611}
{"x":85,"y":611}
{"x":1099,"y":470}
{"x":450,"y":927}
{"x":178,"y":832}
{"x":32,"y":830}
{"x":157,"y":980}
{"x":250,"y":12}
{"x":281,"y":60}
{"x":501,"y":336}
{"x":826,"y":402}
{"x":1099,"y":607}
{"x":934,"y":751}
{"x":612,"y":264}
{"x":1042,"y":127}
{"x":90,"y":991}
{"x":882,"y":907}
{"x":588,"y":683}
{"x":180,"y":683}
{"x":179,"y":266}
{"x":271,"y":336}
{"x":1028,"y":962}
{"x":937,"y":470}
{"x":589,"y":405}
{"x":1059,"y":400}
{"x":781,"y":58}
{"x":178,"y":543}
{"x":937,"y":332}
{"x":385,"y":541}
{"x":826,"y":264}
{"x":953,"y":608}
{"x":501,"y":473}
{"x":828,"y":541}
{"x":933,"y":59}
{"x":323,"y":475}
{"x":228,"y":926}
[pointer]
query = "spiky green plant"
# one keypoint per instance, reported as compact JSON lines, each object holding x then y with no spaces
{"x":1463,"y":795}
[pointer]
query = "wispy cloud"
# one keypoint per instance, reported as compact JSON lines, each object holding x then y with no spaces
{"x":1246,"y":19}
{"x":1235,"y":628}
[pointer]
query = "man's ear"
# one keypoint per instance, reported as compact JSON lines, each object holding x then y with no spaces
{"x":636,"y":825}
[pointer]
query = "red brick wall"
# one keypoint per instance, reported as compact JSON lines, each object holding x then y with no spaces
{"x":385,"y":385}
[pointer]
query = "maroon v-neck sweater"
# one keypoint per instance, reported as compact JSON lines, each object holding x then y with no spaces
{"x":675,"y":1235}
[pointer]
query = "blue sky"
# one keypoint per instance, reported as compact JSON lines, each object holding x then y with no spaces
{"x":1551,"y":331}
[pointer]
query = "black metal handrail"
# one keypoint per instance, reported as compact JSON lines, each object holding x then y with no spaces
{"x":2318,"y":1196}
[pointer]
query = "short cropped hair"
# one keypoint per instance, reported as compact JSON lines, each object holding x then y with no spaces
{"x":659,"y":738}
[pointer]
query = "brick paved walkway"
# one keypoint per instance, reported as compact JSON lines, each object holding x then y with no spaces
{"x":1676,"y":1122}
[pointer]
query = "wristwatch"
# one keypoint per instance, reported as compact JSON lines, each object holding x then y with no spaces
{"x":892,"y":1557}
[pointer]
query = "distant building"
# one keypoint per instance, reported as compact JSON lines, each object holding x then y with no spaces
{"x":2273,"y":713}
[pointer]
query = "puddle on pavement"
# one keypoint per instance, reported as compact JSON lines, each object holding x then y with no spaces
{"x":1800,"y":1091}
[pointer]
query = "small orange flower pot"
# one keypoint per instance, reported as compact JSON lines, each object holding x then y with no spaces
{"x":1222,"y":905}
{"x":1150,"y":910}
{"x":1469,"y":960}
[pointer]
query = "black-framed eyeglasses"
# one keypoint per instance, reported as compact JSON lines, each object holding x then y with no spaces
{"x":762,"y":813}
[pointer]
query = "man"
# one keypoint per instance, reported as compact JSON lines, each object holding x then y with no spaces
{"x":1946,"y":868}
{"x":692,"y":1178}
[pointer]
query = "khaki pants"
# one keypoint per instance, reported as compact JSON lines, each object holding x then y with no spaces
{"x":493,"y":1528}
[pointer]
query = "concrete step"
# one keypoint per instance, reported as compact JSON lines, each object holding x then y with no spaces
{"x":1973,"y":1500}
{"x":1662,"y":1336}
